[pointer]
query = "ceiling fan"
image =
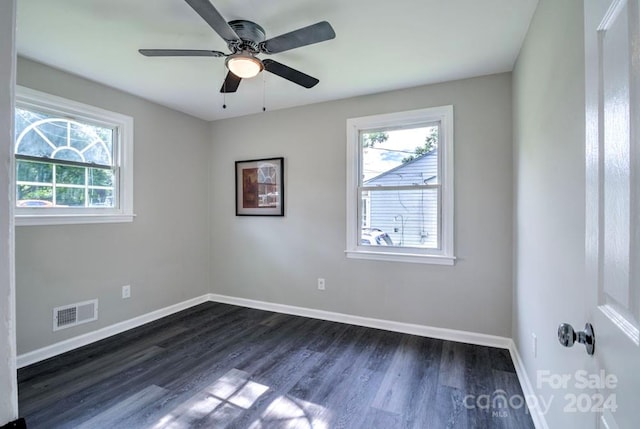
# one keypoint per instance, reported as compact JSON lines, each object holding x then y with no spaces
{"x":246,"y":39}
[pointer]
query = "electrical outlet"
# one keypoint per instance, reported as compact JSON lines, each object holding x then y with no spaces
{"x":320,"y":284}
{"x":126,"y":291}
{"x":534,"y":344}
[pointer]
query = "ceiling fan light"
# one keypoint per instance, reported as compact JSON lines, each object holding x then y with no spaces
{"x":244,"y":66}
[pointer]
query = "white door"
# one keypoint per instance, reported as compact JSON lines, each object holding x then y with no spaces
{"x":612,"y":43}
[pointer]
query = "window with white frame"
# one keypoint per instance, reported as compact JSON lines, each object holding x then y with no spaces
{"x":73,"y":162}
{"x":400,"y":186}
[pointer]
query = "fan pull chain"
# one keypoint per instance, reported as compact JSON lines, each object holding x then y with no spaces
{"x":224,"y":95}
{"x":264,"y":91}
{"x":224,"y":89}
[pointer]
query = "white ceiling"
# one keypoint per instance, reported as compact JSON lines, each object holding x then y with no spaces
{"x":380,"y":45}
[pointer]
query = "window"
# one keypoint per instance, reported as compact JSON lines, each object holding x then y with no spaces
{"x":400,"y":186}
{"x":73,"y":162}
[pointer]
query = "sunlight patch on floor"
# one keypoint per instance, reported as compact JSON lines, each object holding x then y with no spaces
{"x":223,"y":401}
{"x":286,"y":412}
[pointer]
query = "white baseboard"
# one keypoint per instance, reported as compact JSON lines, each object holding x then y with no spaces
{"x":537,"y":416}
{"x":388,"y":325}
{"x":108,"y":331}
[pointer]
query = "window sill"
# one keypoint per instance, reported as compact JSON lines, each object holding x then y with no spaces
{"x":65,"y":219}
{"x":401,"y":257}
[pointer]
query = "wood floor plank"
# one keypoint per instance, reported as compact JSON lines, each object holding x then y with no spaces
{"x":448,"y":410}
{"x":52,"y":369}
{"x":391,"y":395}
{"x":366,"y":384}
{"x":82,"y":405}
{"x":376,"y":418}
{"x":125,"y":409}
{"x":273,"y":319}
{"x":99,"y":363}
{"x":217,"y":404}
{"x":345,"y":393}
{"x":57,"y":394}
{"x":452,"y":365}
{"x":500,"y":359}
{"x":280,"y":379}
{"x":226,"y":367}
{"x":412,"y":376}
{"x":512,"y":412}
{"x":478,"y":371}
{"x":287,"y":411}
{"x":317,"y":384}
{"x":423,"y":386}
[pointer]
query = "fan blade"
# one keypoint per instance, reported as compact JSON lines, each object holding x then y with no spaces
{"x":180,"y":53}
{"x":209,"y":13}
{"x":304,"y":36}
{"x":231,"y":83}
{"x":288,"y":73}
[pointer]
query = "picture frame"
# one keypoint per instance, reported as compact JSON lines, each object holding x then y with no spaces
{"x":260,"y":187}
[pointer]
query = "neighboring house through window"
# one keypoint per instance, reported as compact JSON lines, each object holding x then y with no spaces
{"x":73,"y":162}
{"x":400,"y":186}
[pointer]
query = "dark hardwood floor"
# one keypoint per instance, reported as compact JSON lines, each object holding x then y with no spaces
{"x":222,"y":366}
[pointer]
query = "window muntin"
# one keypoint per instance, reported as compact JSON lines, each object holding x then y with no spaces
{"x":400,"y":185}
{"x":73,"y":162}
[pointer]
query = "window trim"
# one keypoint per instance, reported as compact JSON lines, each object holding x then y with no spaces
{"x":442,"y":256}
{"x":37,"y":100}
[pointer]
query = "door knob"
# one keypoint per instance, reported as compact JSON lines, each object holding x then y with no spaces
{"x":568,"y":336}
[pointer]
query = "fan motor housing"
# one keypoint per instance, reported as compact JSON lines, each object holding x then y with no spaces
{"x":250,"y":33}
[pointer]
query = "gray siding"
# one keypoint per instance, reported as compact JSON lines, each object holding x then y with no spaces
{"x":409,"y":217}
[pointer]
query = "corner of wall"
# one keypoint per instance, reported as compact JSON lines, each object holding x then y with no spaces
{"x":8,"y":381}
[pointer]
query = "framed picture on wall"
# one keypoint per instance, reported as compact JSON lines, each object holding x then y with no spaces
{"x":260,"y":187}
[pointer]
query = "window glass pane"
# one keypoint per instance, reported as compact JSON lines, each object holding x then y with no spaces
{"x":67,"y":154}
{"x":400,"y":157}
{"x":94,"y":143}
{"x":44,"y":135}
{"x":97,"y":154}
{"x":31,"y":143}
{"x":101,"y":198}
{"x":69,"y":175}
{"x":100,"y":177}
{"x":40,"y":129}
{"x":34,"y":196}
{"x":27,"y":171}
{"x":404,"y":218}
{"x":71,"y":197}
{"x":25,"y":117}
{"x":55,"y":131}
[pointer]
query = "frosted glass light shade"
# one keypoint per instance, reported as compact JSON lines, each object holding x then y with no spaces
{"x":244,"y":66}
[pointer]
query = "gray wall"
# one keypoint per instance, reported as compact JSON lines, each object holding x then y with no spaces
{"x":550,"y":187}
{"x":279,"y":259}
{"x":8,"y":389}
{"x":163,"y":254}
